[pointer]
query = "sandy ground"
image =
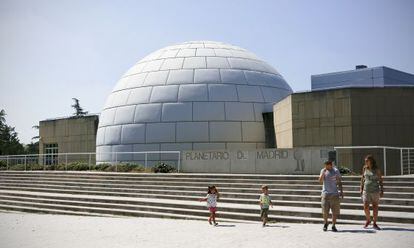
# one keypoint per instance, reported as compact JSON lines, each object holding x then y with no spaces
{"x":36,"y":230}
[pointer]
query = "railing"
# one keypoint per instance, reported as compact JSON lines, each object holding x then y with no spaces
{"x":60,"y":161}
{"x":403,"y":157}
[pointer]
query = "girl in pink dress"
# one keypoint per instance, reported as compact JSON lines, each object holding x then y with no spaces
{"x":211,"y":199}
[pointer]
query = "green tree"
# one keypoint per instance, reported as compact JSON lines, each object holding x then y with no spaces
{"x":37,"y":137}
{"x":9,"y":142}
{"x":2,"y":117}
{"x":79,"y":110}
{"x":33,"y":147}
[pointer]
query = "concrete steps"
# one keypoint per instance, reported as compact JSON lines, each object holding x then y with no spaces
{"x":188,"y":185}
{"x":309,"y":180}
{"x":240,"y":192}
{"x":176,"y":195}
{"x":353,"y":196}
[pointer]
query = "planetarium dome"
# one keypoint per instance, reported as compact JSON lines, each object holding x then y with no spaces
{"x":198,"y":95}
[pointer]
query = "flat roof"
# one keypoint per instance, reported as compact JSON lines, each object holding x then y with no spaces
{"x":363,"y":69}
{"x":71,"y":117}
{"x":374,"y":77}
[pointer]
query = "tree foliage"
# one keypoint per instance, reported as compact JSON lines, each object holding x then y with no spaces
{"x":33,"y":147}
{"x":9,"y":142}
{"x":79,"y":110}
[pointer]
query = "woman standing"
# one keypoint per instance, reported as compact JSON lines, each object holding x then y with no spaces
{"x":371,"y":189}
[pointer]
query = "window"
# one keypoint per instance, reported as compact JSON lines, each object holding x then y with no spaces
{"x":51,"y":151}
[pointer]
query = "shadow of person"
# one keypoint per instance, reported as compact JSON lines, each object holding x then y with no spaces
{"x":225,"y":225}
{"x":356,"y":231}
{"x":279,"y":226}
{"x":398,"y":229}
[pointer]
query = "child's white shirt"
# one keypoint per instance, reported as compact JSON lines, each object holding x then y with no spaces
{"x":211,"y":200}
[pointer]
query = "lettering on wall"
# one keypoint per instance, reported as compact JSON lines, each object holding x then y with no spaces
{"x":208,"y":155}
{"x":273,"y":161}
{"x":272,"y":154}
{"x":242,"y":155}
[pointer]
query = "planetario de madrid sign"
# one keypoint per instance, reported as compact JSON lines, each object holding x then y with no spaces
{"x":261,"y":161}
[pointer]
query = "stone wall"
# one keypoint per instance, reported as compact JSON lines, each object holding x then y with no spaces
{"x":73,"y":135}
{"x":321,"y":118}
{"x":348,"y":117}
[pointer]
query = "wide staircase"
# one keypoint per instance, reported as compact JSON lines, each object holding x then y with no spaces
{"x":296,"y":198}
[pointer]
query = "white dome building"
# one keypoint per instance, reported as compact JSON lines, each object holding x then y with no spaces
{"x":199,"y":95}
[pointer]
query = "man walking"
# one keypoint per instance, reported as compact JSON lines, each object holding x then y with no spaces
{"x":331,"y":179}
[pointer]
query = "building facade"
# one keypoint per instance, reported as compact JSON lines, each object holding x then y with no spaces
{"x":346,"y":117}
{"x":381,"y":114}
{"x":211,"y":96}
{"x":67,"y":135}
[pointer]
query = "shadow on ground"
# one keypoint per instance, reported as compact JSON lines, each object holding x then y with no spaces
{"x":221,"y":225}
{"x":398,"y":229}
{"x":279,"y":226}
{"x":356,"y":231}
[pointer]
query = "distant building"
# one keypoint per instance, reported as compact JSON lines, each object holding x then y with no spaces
{"x":345,"y":117}
{"x":362,"y":77}
{"x":67,"y":135}
{"x":364,"y":107}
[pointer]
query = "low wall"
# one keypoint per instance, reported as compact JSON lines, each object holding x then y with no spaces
{"x":262,"y":161}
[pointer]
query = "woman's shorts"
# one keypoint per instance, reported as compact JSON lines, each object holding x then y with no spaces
{"x":212,"y":209}
{"x":330,"y":202}
{"x":264,"y":212}
{"x":370,"y":197}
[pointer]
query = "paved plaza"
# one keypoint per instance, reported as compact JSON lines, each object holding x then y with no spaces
{"x":38,"y":230}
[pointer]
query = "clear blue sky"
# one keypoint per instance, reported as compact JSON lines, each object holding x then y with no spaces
{"x":51,"y":51}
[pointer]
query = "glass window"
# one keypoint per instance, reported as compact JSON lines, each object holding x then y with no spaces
{"x":51,"y":151}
